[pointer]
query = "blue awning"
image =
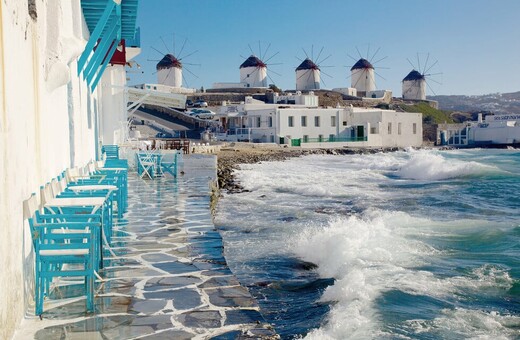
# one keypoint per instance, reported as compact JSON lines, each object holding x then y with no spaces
{"x":109,"y":21}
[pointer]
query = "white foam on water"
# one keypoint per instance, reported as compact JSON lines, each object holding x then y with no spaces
{"x":368,"y":254}
{"x":371,"y":255}
{"x":469,"y":324}
{"x":431,"y":165}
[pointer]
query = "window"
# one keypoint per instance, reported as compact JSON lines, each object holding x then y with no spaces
{"x":272,"y":139}
{"x":320,"y":138}
{"x":305,"y":138}
{"x":398,"y":128}
{"x":270,"y":121}
{"x":333,"y":121}
{"x":316,"y":120}
{"x":258,"y":122}
{"x":304,"y":120}
{"x":344,"y":123}
{"x":291,"y":121}
{"x":389,"y":128}
{"x":414,"y":128}
{"x":332,"y":137}
{"x":373,"y":130}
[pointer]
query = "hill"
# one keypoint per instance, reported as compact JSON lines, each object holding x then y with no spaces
{"x":488,"y":103}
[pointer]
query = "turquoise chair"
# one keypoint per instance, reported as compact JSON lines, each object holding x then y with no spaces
{"x":62,"y":249}
{"x":169,"y":163}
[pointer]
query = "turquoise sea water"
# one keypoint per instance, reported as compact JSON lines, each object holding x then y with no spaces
{"x":414,"y":245}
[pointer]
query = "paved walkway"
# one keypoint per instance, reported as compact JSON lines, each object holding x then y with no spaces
{"x":167,"y":280}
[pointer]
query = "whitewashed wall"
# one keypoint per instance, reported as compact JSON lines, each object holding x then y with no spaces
{"x":307,"y":80}
{"x":363,"y":80}
{"x":113,"y":105}
{"x":170,"y":76}
{"x":414,"y":89}
{"x":47,"y":123}
{"x":254,"y":76}
{"x":379,"y":119}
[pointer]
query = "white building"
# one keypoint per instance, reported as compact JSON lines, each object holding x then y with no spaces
{"x":307,"y":76}
{"x":51,"y":118}
{"x":414,"y":86}
{"x":311,"y":126}
{"x":169,"y":71}
{"x":494,"y":130}
{"x":363,"y":77}
{"x":253,"y":72}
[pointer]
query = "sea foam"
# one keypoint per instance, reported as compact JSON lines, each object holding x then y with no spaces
{"x":430,"y":165}
{"x":373,"y":254}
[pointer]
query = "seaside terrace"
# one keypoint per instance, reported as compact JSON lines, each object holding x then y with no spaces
{"x":102,"y":238}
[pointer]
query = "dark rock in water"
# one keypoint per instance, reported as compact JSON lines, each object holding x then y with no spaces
{"x":287,"y":219}
{"x":262,"y":196}
{"x":304,"y":265}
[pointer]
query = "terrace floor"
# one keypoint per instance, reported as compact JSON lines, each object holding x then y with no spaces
{"x":166,"y":278}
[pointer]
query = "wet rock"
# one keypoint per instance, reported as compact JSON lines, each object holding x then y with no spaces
{"x":231,"y":297}
{"x":202,"y":319}
{"x":243,"y":316}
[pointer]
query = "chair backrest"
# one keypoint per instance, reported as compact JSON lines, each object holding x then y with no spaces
{"x":56,"y":187}
{"x":46,"y":193}
{"x":30,"y":206}
{"x":110,"y":151}
{"x":168,"y":157}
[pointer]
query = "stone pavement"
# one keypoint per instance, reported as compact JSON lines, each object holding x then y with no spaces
{"x":165,"y":279}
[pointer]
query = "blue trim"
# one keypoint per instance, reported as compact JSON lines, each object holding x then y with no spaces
{"x":95,"y":35}
{"x":109,"y":23}
{"x":103,"y":67}
{"x":101,"y":50}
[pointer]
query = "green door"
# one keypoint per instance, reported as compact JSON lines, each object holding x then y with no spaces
{"x":360,"y":132}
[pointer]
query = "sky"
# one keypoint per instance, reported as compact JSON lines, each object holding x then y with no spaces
{"x":475,"y":43}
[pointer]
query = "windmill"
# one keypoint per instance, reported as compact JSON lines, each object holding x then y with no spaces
{"x":308,"y":73}
{"x":170,"y":68}
{"x":253,"y":71}
{"x":415,"y":83}
{"x":362,"y":73}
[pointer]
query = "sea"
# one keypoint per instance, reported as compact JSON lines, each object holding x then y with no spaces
{"x":414,"y":244}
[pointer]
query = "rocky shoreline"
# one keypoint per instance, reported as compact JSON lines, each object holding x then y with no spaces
{"x":230,"y":158}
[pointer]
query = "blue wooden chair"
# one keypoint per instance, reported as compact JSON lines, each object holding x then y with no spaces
{"x":169,"y":163}
{"x":61,"y":254}
{"x":110,"y":151}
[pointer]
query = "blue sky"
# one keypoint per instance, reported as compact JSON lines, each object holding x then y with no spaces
{"x":476,"y":42}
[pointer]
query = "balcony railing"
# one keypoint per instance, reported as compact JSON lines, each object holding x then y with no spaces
{"x":333,"y":139}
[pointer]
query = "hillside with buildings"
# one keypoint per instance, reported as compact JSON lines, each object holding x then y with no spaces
{"x":488,"y":103}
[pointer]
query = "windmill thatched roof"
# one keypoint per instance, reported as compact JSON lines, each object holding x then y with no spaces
{"x":307,"y":64}
{"x":168,"y":61}
{"x":253,"y":61}
{"x":362,"y":64}
{"x":413,"y":75}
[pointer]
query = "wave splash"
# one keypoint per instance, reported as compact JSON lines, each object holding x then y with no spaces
{"x":374,"y":254}
{"x":430,"y":165}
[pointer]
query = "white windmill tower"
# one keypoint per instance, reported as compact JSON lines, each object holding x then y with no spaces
{"x":307,"y":76}
{"x":169,"y":71}
{"x":363,"y":73}
{"x":170,"y":68}
{"x":308,"y":73}
{"x":414,"y":86}
{"x":253,"y":72}
{"x":415,"y":83}
{"x":363,"y":77}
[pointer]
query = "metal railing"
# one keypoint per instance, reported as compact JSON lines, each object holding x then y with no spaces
{"x":333,"y":139}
